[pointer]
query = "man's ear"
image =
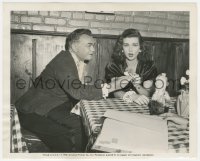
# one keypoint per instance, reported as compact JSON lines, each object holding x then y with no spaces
{"x":74,"y":47}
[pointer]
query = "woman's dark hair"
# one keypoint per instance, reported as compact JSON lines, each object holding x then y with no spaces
{"x":75,"y":35}
{"x":119,"y":57}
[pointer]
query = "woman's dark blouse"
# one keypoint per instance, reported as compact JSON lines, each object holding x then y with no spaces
{"x":147,"y":71}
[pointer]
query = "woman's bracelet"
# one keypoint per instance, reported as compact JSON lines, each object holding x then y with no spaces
{"x":137,"y":86}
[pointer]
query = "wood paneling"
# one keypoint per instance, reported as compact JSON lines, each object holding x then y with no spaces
{"x":21,"y":64}
{"x":170,"y":55}
{"x":105,"y":51}
{"x":64,"y":34}
{"x":23,"y":49}
{"x":47,"y":48}
{"x":181,"y":58}
{"x":171,"y":58}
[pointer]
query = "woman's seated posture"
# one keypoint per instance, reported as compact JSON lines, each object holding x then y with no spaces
{"x":130,"y":58}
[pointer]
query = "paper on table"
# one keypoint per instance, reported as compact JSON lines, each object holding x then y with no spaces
{"x":130,"y":132}
{"x":151,"y":122}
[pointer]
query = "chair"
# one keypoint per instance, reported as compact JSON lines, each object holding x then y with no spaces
{"x":22,"y":140}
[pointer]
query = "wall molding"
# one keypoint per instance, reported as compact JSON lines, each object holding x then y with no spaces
{"x":53,"y":33}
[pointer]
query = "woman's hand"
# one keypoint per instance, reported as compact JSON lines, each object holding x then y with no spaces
{"x":131,"y":96}
{"x":136,"y":79}
{"x":118,"y":83}
{"x":140,"y":99}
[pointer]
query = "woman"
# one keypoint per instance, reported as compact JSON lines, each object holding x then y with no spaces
{"x":129,"y":57}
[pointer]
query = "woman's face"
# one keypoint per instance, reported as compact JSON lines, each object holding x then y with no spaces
{"x":131,"y":47}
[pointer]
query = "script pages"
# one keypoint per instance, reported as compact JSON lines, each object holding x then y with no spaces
{"x":131,"y":132}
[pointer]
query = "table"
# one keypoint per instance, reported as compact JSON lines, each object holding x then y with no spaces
{"x":92,"y":111}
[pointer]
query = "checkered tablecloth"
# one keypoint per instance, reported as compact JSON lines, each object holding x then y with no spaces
{"x":18,"y":145}
{"x":92,"y":111}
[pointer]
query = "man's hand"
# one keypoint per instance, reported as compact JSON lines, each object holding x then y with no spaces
{"x":118,"y":83}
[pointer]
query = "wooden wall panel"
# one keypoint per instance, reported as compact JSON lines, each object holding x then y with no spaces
{"x":21,"y":64}
{"x":105,"y":51}
{"x":170,"y":57}
{"x":181,"y":58}
{"x":47,"y":48}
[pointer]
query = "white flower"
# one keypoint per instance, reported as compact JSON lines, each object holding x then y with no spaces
{"x":187,"y":72}
{"x":183,"y":80}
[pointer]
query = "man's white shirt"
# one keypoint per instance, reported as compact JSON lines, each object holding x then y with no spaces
{"x":80,"y":67}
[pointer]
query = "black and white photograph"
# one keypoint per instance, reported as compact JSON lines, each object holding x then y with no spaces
{"x":100,"y":80}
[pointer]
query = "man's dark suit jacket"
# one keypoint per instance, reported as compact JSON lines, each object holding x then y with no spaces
{"x":57,"y":84}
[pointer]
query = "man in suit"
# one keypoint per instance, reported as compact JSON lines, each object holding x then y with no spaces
{"x":45,"y":108}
